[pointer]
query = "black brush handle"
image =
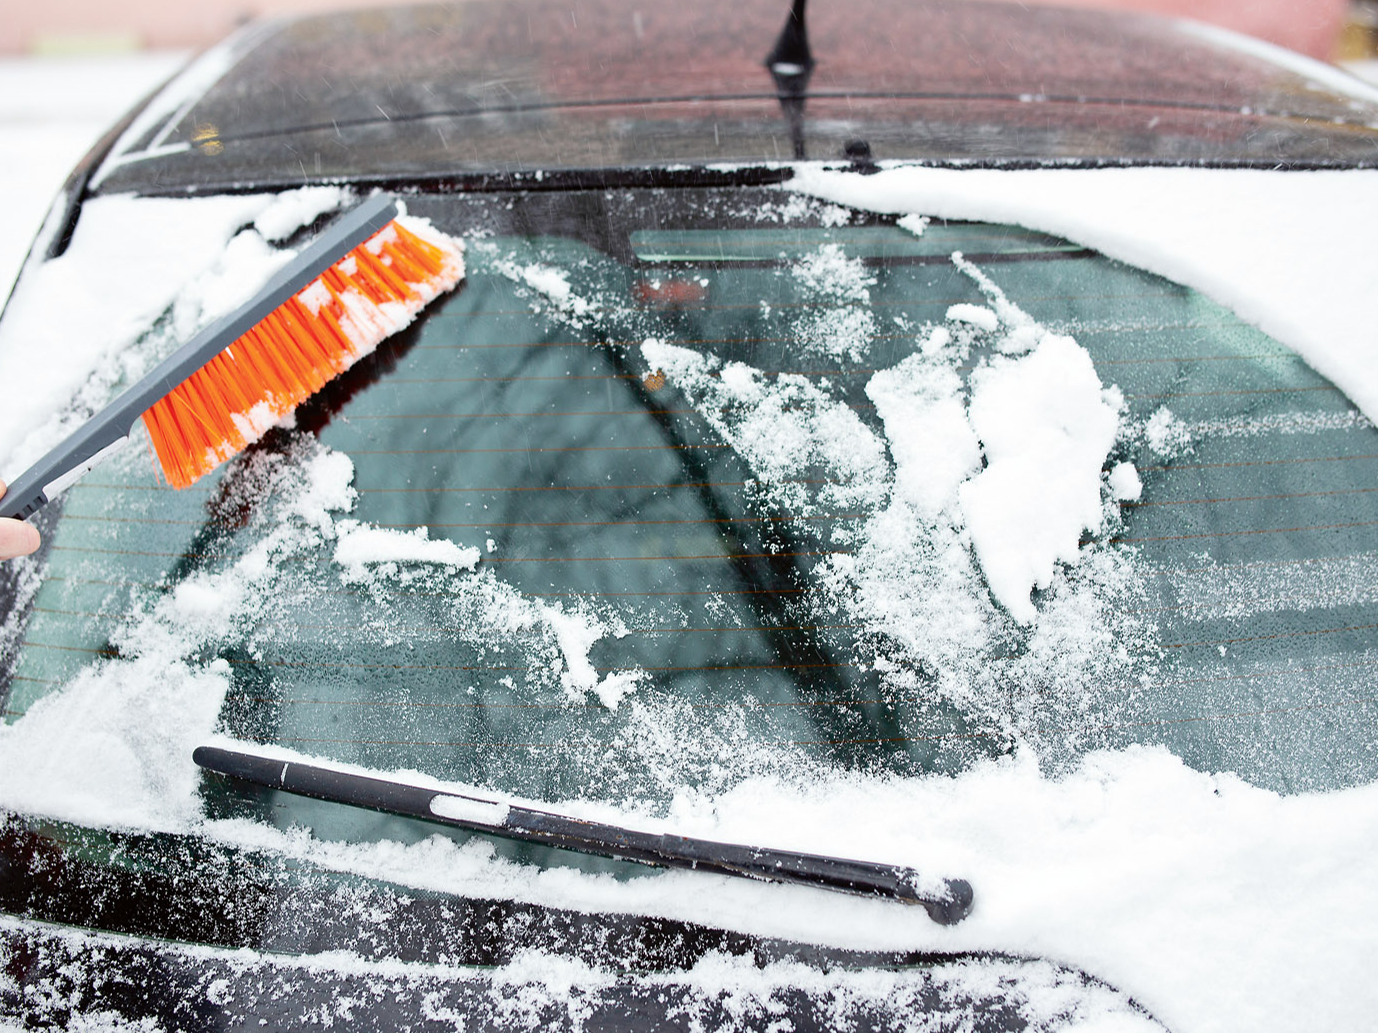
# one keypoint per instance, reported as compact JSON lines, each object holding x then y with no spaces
{"x":949,"y":903}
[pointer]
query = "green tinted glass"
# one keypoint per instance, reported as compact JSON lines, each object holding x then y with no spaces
{"x":674,"y":588}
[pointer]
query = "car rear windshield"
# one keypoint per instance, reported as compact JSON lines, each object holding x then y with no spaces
{"x":648,"y":503}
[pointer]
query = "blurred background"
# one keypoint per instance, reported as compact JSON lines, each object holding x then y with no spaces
{"x":1326,"y":29}
{"x":70,"y":68}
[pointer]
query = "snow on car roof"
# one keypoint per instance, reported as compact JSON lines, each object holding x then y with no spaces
{"x":1286,"y":250}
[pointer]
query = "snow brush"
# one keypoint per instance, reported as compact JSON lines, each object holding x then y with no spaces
{"x":362,"y":280}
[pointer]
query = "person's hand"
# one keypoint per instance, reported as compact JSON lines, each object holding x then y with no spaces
{"x":16,"y":537}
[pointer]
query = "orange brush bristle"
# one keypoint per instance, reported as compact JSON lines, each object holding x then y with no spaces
{"x":369,"y":294}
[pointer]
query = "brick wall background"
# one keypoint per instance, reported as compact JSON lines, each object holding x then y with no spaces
{"x":82,"y":26}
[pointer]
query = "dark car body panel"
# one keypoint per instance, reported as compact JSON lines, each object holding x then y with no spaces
{"x":167,"y":928}
{"x":533,"y":85}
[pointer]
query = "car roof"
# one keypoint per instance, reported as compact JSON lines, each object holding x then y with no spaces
{"x":516,"y":86}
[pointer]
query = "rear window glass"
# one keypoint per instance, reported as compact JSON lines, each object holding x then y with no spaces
{"x":673,"y":469}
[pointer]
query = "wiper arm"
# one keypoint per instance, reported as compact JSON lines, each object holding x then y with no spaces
{"x":946,"y":900}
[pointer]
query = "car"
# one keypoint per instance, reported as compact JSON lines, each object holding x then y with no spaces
{"x":922,"y":450}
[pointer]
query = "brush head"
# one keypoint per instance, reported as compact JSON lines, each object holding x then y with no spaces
{"x":318,"y":333}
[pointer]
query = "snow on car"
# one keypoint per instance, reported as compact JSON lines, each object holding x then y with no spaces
{"x":982,"y":496}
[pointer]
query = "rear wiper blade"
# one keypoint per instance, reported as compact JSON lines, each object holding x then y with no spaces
{"x":946,"y":900}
